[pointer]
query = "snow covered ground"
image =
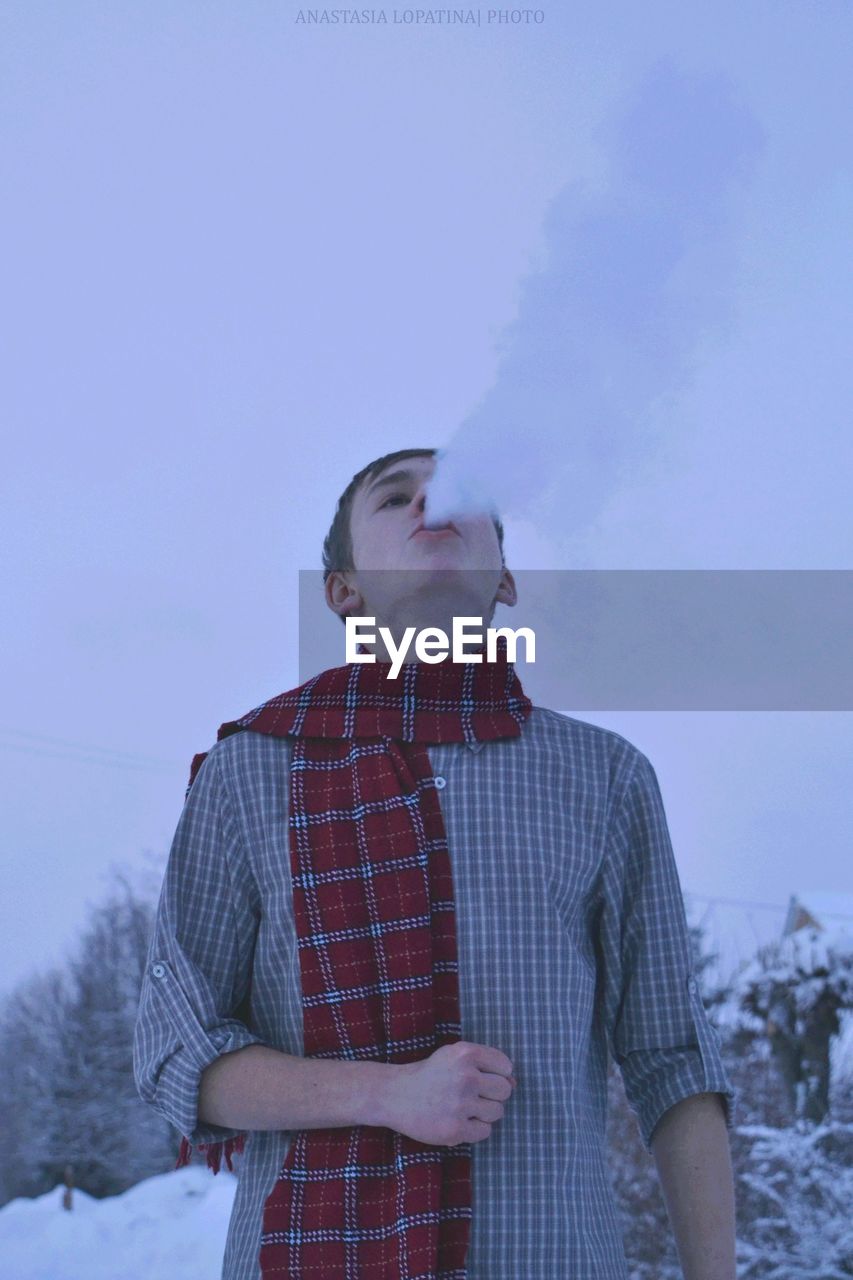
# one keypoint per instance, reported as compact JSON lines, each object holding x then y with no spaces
{"x":170,"y":1225}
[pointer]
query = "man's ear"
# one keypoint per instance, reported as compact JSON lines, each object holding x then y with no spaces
{"x":342,"y":595}
{"x":506,"y":593}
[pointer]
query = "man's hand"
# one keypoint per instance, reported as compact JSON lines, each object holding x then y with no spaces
{"x":455,"y":1095}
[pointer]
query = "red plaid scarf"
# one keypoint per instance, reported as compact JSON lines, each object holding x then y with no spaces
{"x":372,"y":896}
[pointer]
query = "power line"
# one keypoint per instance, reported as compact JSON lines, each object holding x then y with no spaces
{"x":762,"y":906}
{"x":116,"y":758}
{"x":83,"y":752}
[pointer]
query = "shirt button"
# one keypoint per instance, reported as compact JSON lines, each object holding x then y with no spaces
{"x":158,"y":970}
{"x":692,"y":986}
{"x":440,"y":782}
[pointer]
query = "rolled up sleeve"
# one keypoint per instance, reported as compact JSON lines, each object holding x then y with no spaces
{"x":657,"y":1027}
{"x":198,"y":967}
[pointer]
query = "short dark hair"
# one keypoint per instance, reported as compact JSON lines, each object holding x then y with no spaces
{"x":337,"y":547}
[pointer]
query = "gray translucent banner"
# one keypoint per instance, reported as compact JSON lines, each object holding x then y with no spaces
{"x":643,"y":639}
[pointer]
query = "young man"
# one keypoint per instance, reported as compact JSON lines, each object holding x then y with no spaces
{"x":400,"y":927}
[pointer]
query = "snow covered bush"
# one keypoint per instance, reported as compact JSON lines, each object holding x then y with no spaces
{"x":794,"y":1195}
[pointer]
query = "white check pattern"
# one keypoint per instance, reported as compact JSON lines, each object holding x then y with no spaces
{"x":571,"y":937}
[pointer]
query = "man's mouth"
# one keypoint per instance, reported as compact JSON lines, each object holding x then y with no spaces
{"x":421,"y":531}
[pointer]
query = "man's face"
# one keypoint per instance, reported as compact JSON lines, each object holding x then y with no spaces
{"x":460,"y":557}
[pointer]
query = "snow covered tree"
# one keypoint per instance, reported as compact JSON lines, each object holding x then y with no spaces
{"x":66,"y":1054}
{"x":33,"y":1043}
{"x":795,"y":992}
{"x":106,"y":975}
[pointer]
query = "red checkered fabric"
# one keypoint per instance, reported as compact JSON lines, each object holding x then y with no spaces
{"x":374,"y":911}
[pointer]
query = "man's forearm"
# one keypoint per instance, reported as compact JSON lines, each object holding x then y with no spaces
{"x":690,"y":1145}
{"x":258,"y":1087}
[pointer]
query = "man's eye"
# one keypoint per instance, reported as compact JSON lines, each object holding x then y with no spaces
{"x":393,"y":498}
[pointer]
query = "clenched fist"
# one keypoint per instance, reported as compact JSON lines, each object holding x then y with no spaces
{"x":455,"y":1095}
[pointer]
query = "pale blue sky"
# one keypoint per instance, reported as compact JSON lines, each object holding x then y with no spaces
{"x":243,"y":257}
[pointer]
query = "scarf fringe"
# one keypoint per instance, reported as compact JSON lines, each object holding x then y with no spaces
{"x":215,"y":1152}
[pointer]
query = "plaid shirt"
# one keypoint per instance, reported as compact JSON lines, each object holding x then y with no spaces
{"x":571,"y":938}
